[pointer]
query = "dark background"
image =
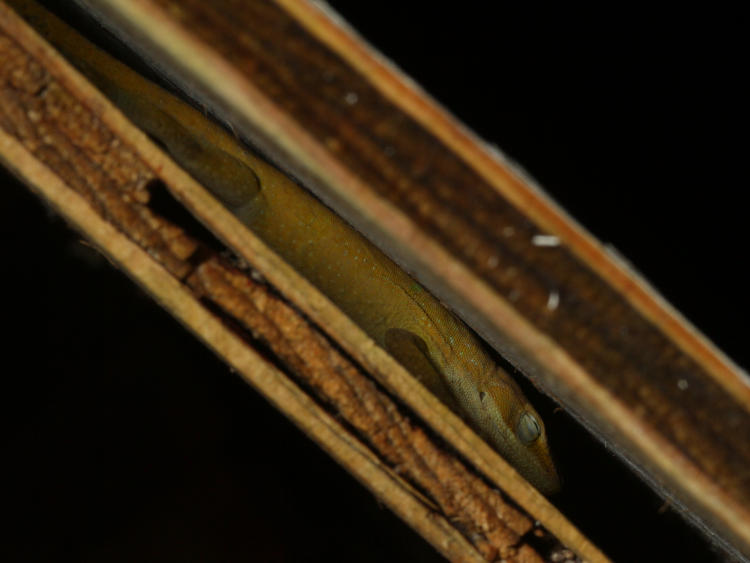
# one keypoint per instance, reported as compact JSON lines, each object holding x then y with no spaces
{"x":127,"y":440}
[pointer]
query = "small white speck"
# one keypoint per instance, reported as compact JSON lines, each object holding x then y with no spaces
{"x":351,"y":98}
{"x":508,"y":232}
{"x":493,"y":261}
{"x":682,"y":384}
{"x":545,"y":240}
{"x":553,"y":300}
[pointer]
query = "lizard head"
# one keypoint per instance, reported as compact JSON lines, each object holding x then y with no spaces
{"x":516,"y":430}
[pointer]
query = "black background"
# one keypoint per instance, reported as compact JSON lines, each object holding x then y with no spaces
{"x":127,"y":440}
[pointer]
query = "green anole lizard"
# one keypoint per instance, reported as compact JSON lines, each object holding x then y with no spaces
{"x":381,"y":298}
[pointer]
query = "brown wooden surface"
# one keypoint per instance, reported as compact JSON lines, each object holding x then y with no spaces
{"x":622,"y":358}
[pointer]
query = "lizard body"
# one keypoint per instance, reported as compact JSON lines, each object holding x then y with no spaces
{"x":389,"y":305}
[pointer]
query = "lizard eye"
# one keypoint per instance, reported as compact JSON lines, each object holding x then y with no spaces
{"x":528,"y":428}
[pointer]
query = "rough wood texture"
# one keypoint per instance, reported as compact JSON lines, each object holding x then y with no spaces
{"x":481,"y":513}
{"x":81,"y":155}
{"x":529,"y":279}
